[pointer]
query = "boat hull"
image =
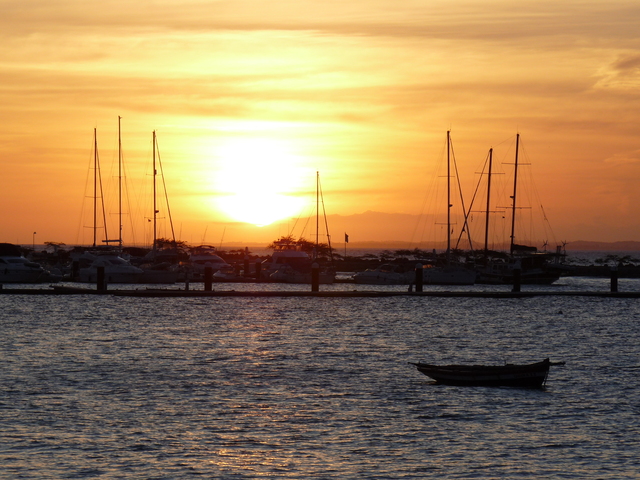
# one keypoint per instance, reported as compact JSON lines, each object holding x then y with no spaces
{"x":164,"y":277}
{"x":382,"y":279}
{"x":20,"y":270}
{"x":301,"y":278}
{"x":448,"y":275}
{"x":526,"y":278}
{"x":532,"y":375}
{"x":111,"y":276}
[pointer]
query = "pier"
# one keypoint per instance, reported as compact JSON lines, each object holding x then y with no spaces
{"x":189,"y":293}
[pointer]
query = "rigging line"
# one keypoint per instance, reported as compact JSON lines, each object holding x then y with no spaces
{"x":127,"y":192}
{"x":537,"y":197}
{"x":104,"y":210}
{"x":294,"y":227}
{"x":93,"y":158}
{"x":546,"y":220}
{"x":81,"y":226}
{"x":326,"y":224}
{"x":426,"y":198}
{"x":290,"y":233}
{"x":166,"y":194}
{"x":465,"y":225}
{"x":222,"y":237}
{"x":475,"y":193}
{"x":304,"y":229}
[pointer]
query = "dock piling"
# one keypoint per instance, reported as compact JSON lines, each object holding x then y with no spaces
{"x":418,"y":277}
{"x":208,"y":278}
{"x":258,"y":272}
{"x":101,"y":281}
{"x":516,"y":280}
{"x":315,"y":277}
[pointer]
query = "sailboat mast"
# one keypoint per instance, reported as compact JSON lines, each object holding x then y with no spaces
{"x":119,"y":182}
{"x":95,"y":185}
{"x":448,"y":194}
{"x":164,"y":186}
{"x":515,"y":185}
{"x":317,"y":210}
{"x":155,"y":208}
{"x":486,"y":226}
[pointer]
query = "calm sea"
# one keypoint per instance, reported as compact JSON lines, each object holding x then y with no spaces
{"x":243,"y":388}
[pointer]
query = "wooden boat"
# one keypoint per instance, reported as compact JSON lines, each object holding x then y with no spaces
{"x":533,"y":375}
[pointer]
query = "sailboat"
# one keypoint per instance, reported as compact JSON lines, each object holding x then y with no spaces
{"x":116,"y":268}
{"x":290,"y":264}
{"x":157,"y":270}
{"x":449,"y":272}
{"x":535,"y":267}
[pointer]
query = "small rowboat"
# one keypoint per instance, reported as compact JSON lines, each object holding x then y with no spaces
{"x":533,"y":375}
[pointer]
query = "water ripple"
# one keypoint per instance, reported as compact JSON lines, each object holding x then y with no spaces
{"x":106,"y":387}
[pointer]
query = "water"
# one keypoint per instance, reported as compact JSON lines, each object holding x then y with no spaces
{"x":116,"y":387}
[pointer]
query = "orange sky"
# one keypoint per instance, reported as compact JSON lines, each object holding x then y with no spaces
{"x":251,"y":98}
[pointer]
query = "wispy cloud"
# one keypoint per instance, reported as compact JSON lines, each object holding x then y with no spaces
{"x":364,"y":89}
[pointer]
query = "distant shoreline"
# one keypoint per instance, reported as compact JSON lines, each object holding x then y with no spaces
{"x":581,"y":245}
{"x":577,"y":246}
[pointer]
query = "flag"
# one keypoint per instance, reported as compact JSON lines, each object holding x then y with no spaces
{"x":346,"y":238}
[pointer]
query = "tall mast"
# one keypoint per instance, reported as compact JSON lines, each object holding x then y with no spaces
{"x":119,"y":183}
{"x":164,"y":186}
{"x":155,"y":208}
{"x":448,"y":194}
{"x":486,"y":227}
{"x":95,"y":185}
{"x":317,"y":209}
{"x":515,"y":184}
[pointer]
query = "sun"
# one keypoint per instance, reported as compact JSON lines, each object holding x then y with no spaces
{"x":258,"y":181}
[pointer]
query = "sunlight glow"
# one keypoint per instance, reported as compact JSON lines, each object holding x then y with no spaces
{"x":259,"y":181}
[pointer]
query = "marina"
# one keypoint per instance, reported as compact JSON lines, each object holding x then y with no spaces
{"x":433,"y":309}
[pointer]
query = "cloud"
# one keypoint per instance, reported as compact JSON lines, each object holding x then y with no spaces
{"x":625,"y":158}
{"x":494,"y":20}
{"x":621,"y":75}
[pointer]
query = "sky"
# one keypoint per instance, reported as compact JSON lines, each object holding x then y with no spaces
{"x":252,"y":100}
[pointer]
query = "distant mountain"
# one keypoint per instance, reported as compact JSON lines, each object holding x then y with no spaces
{"x":629,"y":246}
{"x":380,"y":230}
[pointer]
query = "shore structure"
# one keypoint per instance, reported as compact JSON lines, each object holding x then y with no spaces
{"x":186,"y":293}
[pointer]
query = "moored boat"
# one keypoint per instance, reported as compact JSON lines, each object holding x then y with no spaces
{"x":451,"y":274}
{"x":533,"y":375}
{"x":116,"y":268}
{"x":523,"y":264}
{"x":14,"y":268}
{"x":161,"y":265}
{"x":535,"y":268}
{"x":449,"y":270}
{"x":385,"y":274}
{"x":202,"y":257}
{"x":228,"y":273}
{"x":289,"y":263}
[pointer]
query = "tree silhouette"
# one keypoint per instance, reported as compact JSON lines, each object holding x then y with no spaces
{"x":322,"y":249}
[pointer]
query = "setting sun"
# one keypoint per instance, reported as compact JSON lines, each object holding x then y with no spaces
{"x":260,"y":97}
{"x":258,"y":181}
